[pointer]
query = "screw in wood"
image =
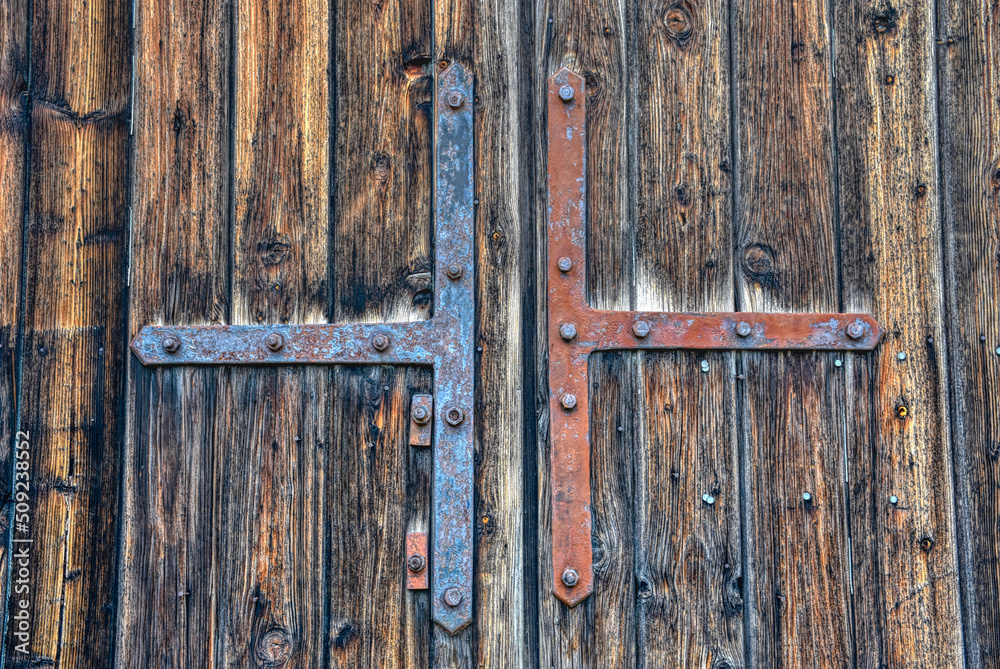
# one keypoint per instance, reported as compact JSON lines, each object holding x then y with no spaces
{"x":894,"y":500}
{"x":838,"y":363}
{"x":568,"y":401}
{"x":806,"y":497}
{"x":640,"y":329}
{"x":708,"y":499}
{"x":421,"y":415}
{"x":567,"y":331}
{"x":452,"y":597}
{"x":566,"y":93}
{"x":855,"y":330}
{"x":454,"y":272}
{"x":901,"y":356}
{"x":381,"y":341}
{"x":570,"y":578}
{"x":704,"y":366}
{"x":454,"y":416}
{"x":416,"y":563}
{"x":274,"y":341}
{"x":171,"y":344}
{"x":743,"y":329}
{"x":565,"y":264}
{"x":455,"y":99}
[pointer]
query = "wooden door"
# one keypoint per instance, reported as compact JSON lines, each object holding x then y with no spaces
{"x":195,"y":162}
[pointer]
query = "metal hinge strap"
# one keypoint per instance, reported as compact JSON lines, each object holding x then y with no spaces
{"x":444,"y":342}
{"x":575,"y":331}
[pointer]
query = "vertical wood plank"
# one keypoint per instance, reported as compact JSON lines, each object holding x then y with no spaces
{"x":382,"y":228}
{"x":969,"y":70}
{"x":486,"y":38}
{"x":590,"y":38}
{"x":13,"y":155}
{"x":688,"y":552}
{"x":180,"y":275}
{"x":796,"y":558}
{"x":906,"y":586}
{"x":271,"y":521}
{"x":73,"y":357}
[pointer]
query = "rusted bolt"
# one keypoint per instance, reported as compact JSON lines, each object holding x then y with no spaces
{"x":421,"y":415}
{"x":567,"y":331}
{"x":566,"y":93}
{"x":274,"y":341}
{"x":855,"y":330}
{"x":381,"y":341}
{"x":455,"y":99}
{"x":416,"y":563}
{"x":568,"y":401}
{"x":743,"y":329}
{"x":565,"y":264}
{"x":453,"y":597}
{"x":171,"y":344}
{"x":640,"y":329}
{"x":454,"y":272}
{"x":454,"y":416}
{"x":570,"y":577}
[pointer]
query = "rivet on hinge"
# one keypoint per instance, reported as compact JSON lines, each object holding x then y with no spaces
{"x":421,"y":415}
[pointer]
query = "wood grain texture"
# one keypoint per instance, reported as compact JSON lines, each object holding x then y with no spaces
{"x":73,"y":357}
{"x":905,"y":566}
{"x":969,"y":74}
{"x":688,"y":553}
{"x":382,"y":227}
{"x":13,"y":155}
{"x":180,"y":275}
{"x":271,"y":522}
{"x":797,"y":588}
{"x":486,"y":37}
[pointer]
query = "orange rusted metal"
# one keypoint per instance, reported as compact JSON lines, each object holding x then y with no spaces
{"x":417,"y":573}
{"x":575,"y":331}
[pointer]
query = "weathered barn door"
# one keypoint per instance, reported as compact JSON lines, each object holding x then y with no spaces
{"x":269,"y":167}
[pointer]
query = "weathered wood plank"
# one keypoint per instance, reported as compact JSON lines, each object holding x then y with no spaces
{"x":904,"y":555}
{"x":13,"y":155}
{"x":271,"y":521}
{"x":486,"y":38}
{"x":382,"y":229}
{"x":590,"y":38}
{"x":797,"y":589}
{"x":969,"y":69}
{"x":73,"y":355}
{"x":688,"y":553}
{"x":180,"y":275}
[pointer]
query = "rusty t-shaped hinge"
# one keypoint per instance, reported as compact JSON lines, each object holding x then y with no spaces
{"x":444,"y":342}
{"x":575,"y":331}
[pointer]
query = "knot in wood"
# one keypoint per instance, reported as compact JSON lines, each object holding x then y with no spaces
{"x":679,"y":22}
{"x":274,"y":648}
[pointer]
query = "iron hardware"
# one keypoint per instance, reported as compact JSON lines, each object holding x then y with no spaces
{"x":416,"y":561}
{"x":444,"y":342}
{"x":596,"y":330}
{"x":421,"y":417}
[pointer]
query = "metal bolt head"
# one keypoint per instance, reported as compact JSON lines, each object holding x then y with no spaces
{"x":454,"y":272}
{"x":894,"y":500}
{"x":567,"y":331}
{"x":452,"y":597}
{"x":838,"y":363}
{"x":855,"y":330}
{"x":566,"y":93}
{"x":704,"y":366}
{"x":565,"y":264}
{"x":171,"y":344}
{"x":274,"y":341}
{"x":568,"y":401}
{"x":570,"y":577}
{"x":708,"y":499}
{"x":743,"y":329}
{"x":421,"y":415}
{"x":901,"y":356}
{"x":381,"y":341}
{"x":416,"y":563}
{"x":454,"y":416}
{"x":455,"y":99}
{"x":640,"y":329}
{"x":806,"y":497}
